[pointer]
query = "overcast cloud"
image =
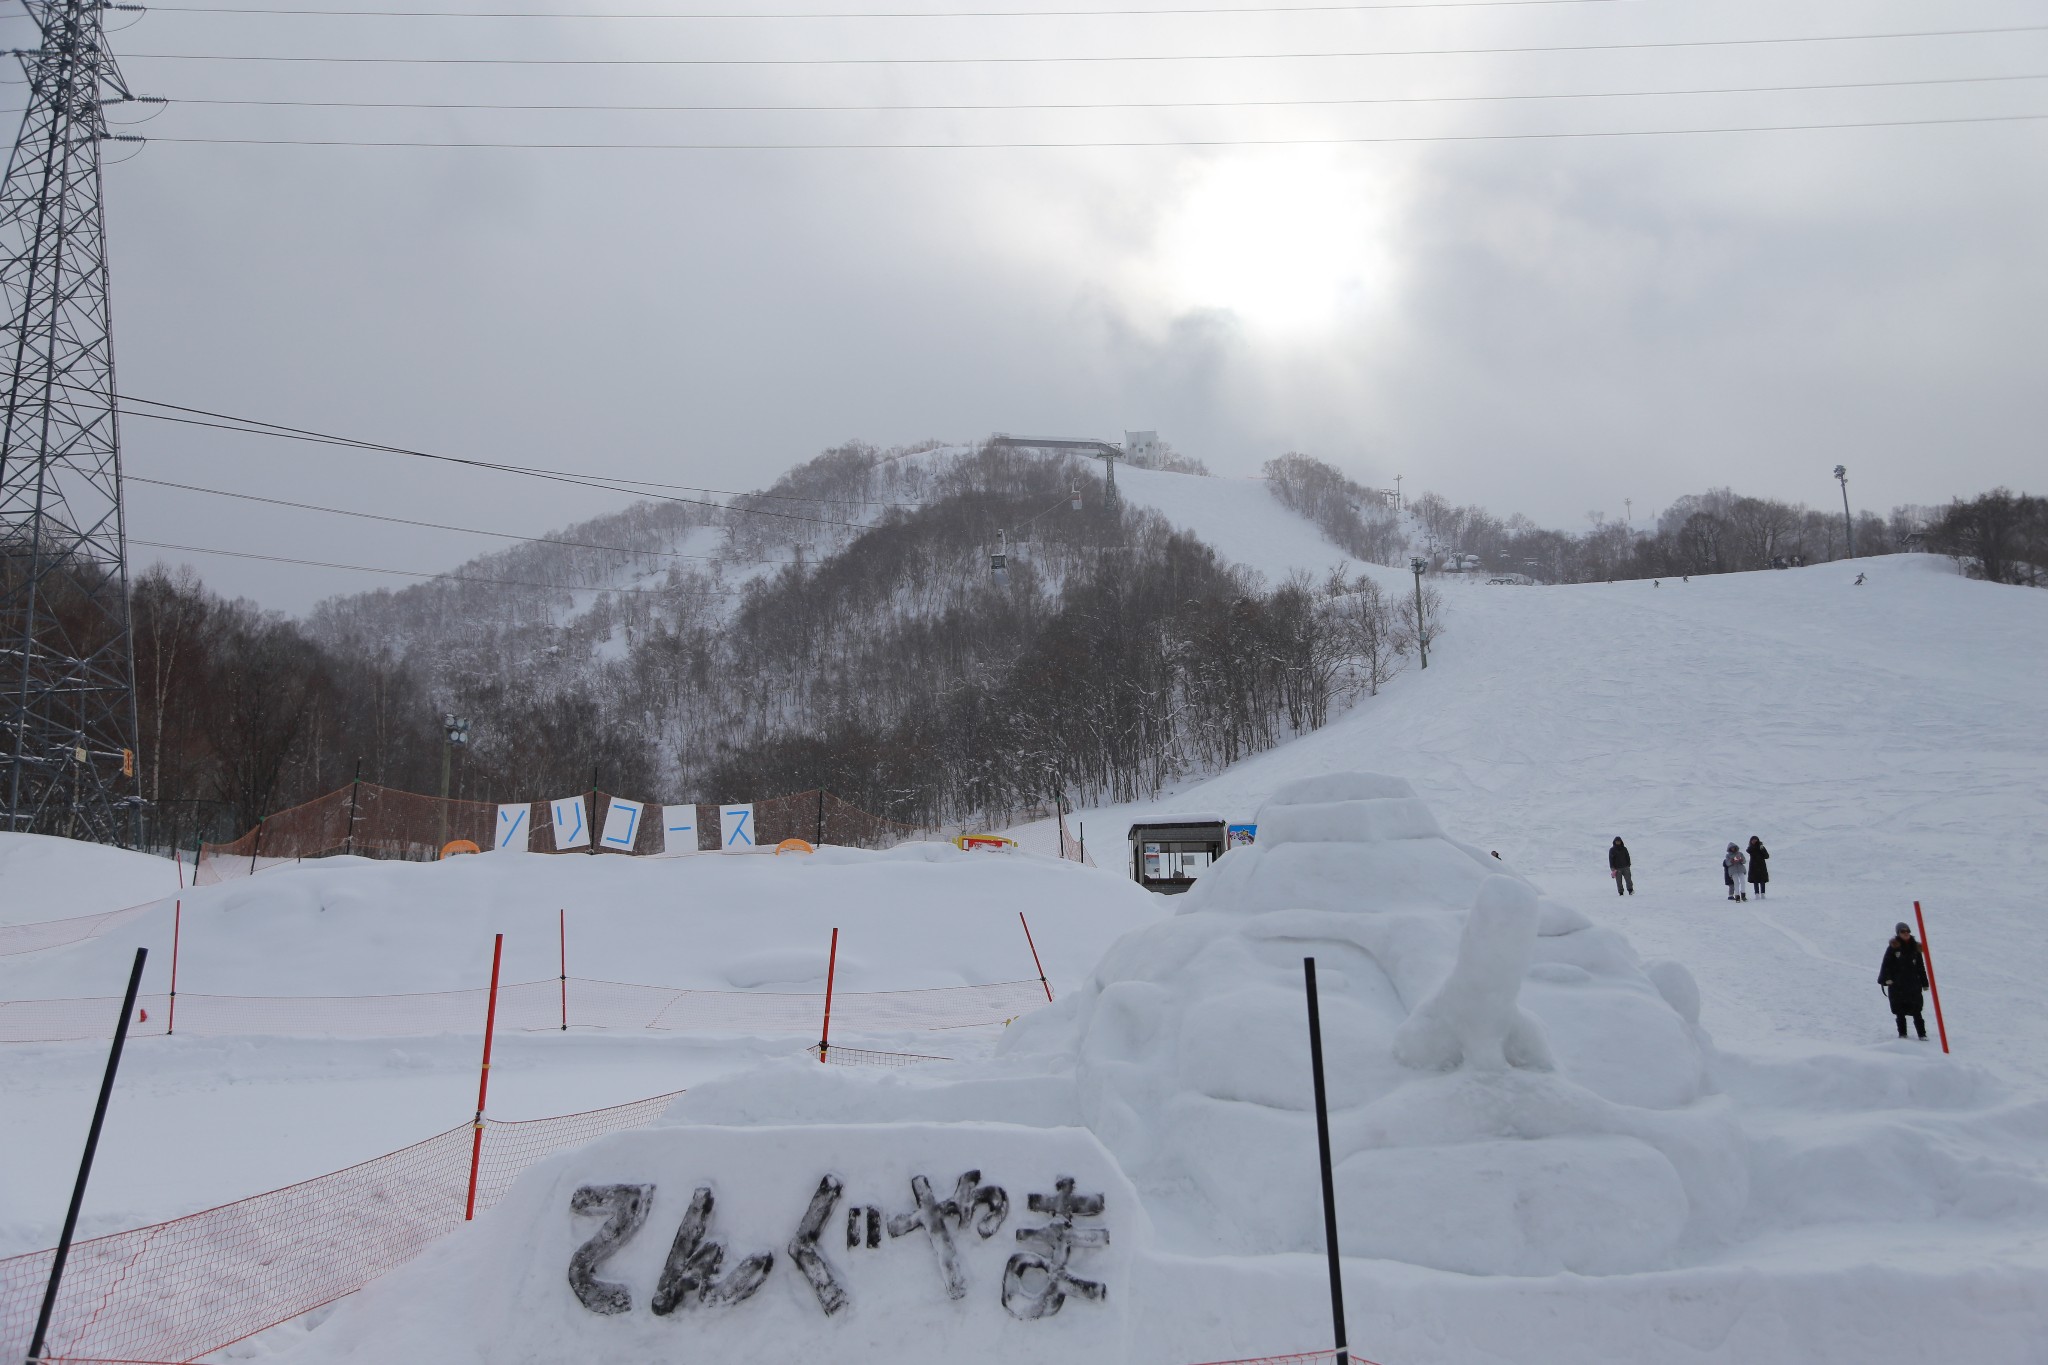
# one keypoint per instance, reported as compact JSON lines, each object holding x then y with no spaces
{"x":1538,"y":326}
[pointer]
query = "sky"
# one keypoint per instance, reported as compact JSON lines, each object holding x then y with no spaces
{"x":1556,"y":326}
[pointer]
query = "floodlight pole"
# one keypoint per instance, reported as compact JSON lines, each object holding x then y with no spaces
{"x":1848,"y":523}
{"x":1418,"y":564}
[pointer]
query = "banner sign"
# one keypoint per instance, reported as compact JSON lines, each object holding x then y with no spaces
{"x":512,"y":830}
{"x":736,"y":828}
{"x":679,"y":829}
{"x":1239,"y":836}
{"x":570,"y":831}
{"x":621,"y":824}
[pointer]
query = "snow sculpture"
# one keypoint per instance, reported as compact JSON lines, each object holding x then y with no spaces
{"x":1473,"y":1018}
{"x":1511,"y":1093}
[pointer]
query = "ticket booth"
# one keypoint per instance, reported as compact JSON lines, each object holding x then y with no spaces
{"x":1168,"y":853}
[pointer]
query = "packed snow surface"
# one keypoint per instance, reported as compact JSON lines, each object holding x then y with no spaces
{"x":1568,"y":1126}
{"x":45,"y":878}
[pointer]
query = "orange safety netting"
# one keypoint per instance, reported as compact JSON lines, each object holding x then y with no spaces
{"x":55,"y":933}
{"x":383,"y":822}
{"x":837,"y":1055}
{"x":1072,"y":849}
{"x":522,"y":1006}
{"x":178,"y":1290}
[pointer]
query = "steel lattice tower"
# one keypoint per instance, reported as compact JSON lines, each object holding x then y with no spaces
{"x":67,"y":667}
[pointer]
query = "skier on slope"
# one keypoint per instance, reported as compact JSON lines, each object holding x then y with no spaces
{"x":1759,"y":865}
{"x":1732,"y":863}
{"x":1903,"y":974}
{"x":1618,"y":867}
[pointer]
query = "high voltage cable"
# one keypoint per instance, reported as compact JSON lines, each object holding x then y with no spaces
{"x":1078,"y":146}
{"x":552,"y":476}
{"x":892,"y":14}
{"x":442,"y":526}
{"x":255,"y":427}
{"x":415,"y":573}
{"x":1141,"y":57}
{"x":1114,"y":104}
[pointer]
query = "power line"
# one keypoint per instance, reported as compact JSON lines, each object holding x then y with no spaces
{"x":888,"y":14}
{"x":441,"y":526}
{"x":1119,"y":104}
{"x":1012,"y":60}
{"x":1076,"y":146}
{"x":414,"y":573}
{"x":254,"y":427}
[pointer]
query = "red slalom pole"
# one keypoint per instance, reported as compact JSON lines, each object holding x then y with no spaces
{"x":177,"y":925}
{"x":1927,"y":958}
{"x":831,"y":971}
{"x":562,"y":917}
{"x":483,"y":1084}
{"x":1034,"y":956}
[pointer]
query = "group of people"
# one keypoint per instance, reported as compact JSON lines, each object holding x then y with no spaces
{"x":1758,"y":864}
{"x":1903,"y":973}
{"x":1736,"y":868}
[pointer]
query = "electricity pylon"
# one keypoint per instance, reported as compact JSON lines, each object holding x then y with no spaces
{"x":67,"y":660}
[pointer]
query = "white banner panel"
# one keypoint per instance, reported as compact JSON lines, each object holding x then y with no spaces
{"x":622,"y":824}
{"x":679,"y":829}
{"x":570,"y":831}
{"x":512,"y":829}
{"x":736,"y":827}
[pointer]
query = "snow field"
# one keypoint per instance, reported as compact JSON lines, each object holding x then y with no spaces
{"x":198,"y":1121}
{"x":1572,"y":1127}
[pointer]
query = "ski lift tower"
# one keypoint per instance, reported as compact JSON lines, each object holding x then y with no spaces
{"x":67,"y":663}
{"x":1106,"y":451}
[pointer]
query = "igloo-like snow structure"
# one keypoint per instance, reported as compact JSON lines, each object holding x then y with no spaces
{"x":1512,"y":1092}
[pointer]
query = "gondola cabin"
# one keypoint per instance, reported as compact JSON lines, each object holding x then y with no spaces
{"x":1169,"y":852}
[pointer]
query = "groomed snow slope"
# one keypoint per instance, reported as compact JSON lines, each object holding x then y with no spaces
{"x":1241,"y":520}
{"x":1885,"y":741}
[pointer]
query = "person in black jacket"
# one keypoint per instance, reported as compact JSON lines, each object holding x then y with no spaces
{"x":1903,"y":974}
{"x":1759,"y":865}
{"x":1618,"y":868}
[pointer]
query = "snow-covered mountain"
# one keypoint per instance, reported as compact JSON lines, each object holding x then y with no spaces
{"x":849,"y":627}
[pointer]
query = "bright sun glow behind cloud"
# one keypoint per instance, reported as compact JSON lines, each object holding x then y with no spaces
{"x":1290,"y":242}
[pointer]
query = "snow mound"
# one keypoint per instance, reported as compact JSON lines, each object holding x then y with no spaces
{"x":45,"y":878}
{"x":1512,"y":1092}
{"x":980,"y":1242}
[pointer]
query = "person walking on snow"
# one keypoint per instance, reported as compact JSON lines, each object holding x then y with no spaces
{"x":1759,"y":865}
{"x":1903,"y":974}
{"x":1618,"y":867}
{"x":1731,"y":872}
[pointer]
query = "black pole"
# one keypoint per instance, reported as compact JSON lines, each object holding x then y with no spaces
{"x":590,"y":845}
{"x":819,"y":842}
{"x":92,"y":1143}
{"x":353,"y":788}
{"x":257,"y":846}
{"x":1315,"y":1052}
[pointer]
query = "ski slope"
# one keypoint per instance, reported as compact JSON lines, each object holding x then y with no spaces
{"x":1241,"y":520}
{"x":1883,"y":740}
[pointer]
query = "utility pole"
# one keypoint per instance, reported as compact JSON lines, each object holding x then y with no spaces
{"x":1418,"y":564}
{"x":1848,"y":523}
{"x":1397,"y":493}
{"x":1628,"y":513}
{"x":456,"y":728}
{"x":67,"y":659}
{"x":1109,"y":459}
